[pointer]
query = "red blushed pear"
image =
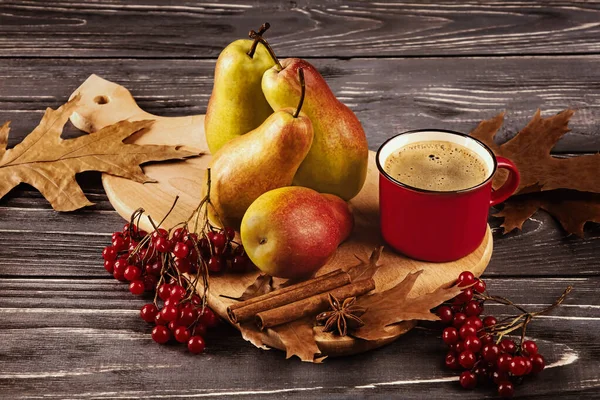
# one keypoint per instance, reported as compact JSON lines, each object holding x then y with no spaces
{"x":263,"y":159}
{"x":291,"y":232}
{"x":337,"y":161}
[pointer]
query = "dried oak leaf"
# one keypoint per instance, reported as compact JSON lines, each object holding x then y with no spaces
{"x":262,"y":285}
{"x":366,"y":269}
{"x":542,"y":173}
{"x":253,"y":335}
{"x":394,"y":306}
{"x":570,"y":207}
{"x":49,"y":163}
{"x":297,"y":337}
{"x":530,"y":151}
{"x":299,"y":340}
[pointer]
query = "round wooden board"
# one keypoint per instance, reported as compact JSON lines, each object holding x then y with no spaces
{"x":103,"y":103}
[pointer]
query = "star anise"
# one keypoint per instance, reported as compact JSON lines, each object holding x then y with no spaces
{"x":342,"y":316}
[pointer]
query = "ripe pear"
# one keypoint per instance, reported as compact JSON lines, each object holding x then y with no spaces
{"x":265,"y":158}
{"x":291,"y":232}
{"x":337,"y":161}
{"x":237,"y":104}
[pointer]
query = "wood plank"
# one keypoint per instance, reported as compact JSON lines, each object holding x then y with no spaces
{"x":66,"y":338}
{"x":394,"y":104}
{"x":109,"y":295}
{"x":150,"y":28}
{"x":75,"y":338}
{"x":37,"y":241}
{"x":127,"y":197}
{"x":388,"y":95}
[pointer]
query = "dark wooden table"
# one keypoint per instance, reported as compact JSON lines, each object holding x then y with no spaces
{"x":68,"y":330}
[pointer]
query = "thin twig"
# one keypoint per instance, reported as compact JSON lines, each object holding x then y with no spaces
{"x":169,"y":212}
{"x":522,"y":320}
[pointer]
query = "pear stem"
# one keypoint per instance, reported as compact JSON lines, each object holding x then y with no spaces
{"x":257,"y":37}
{"x":302,"y":92}
{"x":263,"y":28}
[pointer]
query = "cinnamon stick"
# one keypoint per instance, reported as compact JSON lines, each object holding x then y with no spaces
{"x":311,"y":305}
{"x":246,"y":310}
{"x":285,"y":289}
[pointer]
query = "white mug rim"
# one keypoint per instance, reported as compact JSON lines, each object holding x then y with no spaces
{"x":483,"y":146}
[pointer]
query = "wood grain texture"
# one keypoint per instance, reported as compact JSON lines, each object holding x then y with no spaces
{"x":72,"y":332}
{"x":388,"y":95}
{"x":83,"y":338}
{"x":69,"y":244}
{"x":185,"y":179}
{"x":150,"y":28}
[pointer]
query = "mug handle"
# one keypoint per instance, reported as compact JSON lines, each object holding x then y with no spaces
{"x":511,"y":184}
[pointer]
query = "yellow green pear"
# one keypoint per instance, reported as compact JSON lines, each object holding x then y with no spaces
{"x":291,"y":232}
{"x":337,"y":161}
{"x":237,"y":104}
{"x":265,"y":158}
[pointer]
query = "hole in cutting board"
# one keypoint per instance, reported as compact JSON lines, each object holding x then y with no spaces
{"x":101,"y":100}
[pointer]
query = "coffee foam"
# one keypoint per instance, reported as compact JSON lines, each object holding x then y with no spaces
{"x":436,"y":165}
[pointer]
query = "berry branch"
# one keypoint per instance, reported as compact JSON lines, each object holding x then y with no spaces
{"x":520,"y":321}
{"x":170,"y":265}
{"x":479,"y":347}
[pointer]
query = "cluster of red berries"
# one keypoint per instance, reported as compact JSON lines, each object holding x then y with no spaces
{"x":217,"y":249}
{"x":181,"y":318}
{"x":477,"y":345}
{"x":163,"y":263}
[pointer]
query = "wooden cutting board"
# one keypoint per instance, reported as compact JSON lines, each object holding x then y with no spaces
{"x":104,"y":103}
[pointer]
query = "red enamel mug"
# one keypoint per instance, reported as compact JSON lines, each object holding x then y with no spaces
{"x":439,"y":226}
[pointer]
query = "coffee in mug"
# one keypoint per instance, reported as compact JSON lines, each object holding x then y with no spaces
{"x":439,"y":166}
{"x":435,"y":192}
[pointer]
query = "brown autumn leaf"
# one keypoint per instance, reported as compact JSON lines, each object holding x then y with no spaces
{"x":49,"y":163}
{"x":530,"y":151}
{"x":543,"y":175}
{"x":262,"y":285}
{"x":299,"y":340}
{"x":253,"y":335}
{"x":570,"y":207}
{"x":4,"y":129}
{"x":394,"y":306}
{"x":298,"y":336}
{"x":366,"y":269}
